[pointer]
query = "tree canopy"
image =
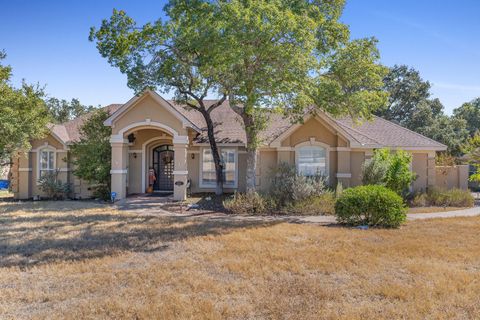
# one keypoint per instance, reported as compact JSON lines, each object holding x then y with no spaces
{"x":23,"y":114}
{"x":63,"y":110}
{"x":410,"y":105}
{"x":470,"y":112}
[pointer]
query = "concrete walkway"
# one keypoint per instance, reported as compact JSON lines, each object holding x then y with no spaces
{"x":470,"y":212}
{"x":151,"y":205}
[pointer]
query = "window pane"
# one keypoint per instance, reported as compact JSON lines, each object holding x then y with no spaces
{"x":208,"y":166}
{"x":44,"y":160}
{"x":209,"y":177}
{"x":312,"y":161}
{"x":50,"y":160}
{"x":229,"y":177}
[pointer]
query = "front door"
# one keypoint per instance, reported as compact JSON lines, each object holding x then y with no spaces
{"x":163,"y":165}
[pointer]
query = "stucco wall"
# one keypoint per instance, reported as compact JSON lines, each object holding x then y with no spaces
{"x":419,"y":167}
{"x":448,"y":177}
{"x":148,"y":108}
{"x":313,"y":128}
{"x":357,"y":159}
{"x":267,"y":161}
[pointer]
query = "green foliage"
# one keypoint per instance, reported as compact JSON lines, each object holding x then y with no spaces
{"x":53,"y":187}
{"x":62,"y":111}
{"x":276,"y":54}
{"x":248,"y":203}
{"x":23,"y":114}
{"x":178,"y":55}
{"x":287,"y":186}
{"x":406,"y":90}
{"x":444,"y":198}
{"x":430,"y":121}
{"x":91,"y":155}
{"x":370,"y":205}
{"x":470,"y":113}
{"x":323,"y":204}
{"x":389,"y":169}
{"x":409,"y":105}
{"x":472,"y":152}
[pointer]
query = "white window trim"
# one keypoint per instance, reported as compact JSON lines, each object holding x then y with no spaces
{"x":313,"y":143}
{"x":213,"y":185}
{"x":39,"y":159}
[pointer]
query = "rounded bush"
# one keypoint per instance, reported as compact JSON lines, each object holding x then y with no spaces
{"x":371,"y":205}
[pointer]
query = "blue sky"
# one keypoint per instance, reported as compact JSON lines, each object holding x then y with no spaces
{"x":47,"y":42}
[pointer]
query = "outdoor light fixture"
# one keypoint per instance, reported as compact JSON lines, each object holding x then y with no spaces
{"x":135,"y":155}
{"x":131,"y":138}
{"x":193,"y":155}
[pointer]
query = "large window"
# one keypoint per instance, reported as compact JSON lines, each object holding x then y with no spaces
{"x":47,"y":162}
{"x":229,"y":159}
{"x":312,"y":160}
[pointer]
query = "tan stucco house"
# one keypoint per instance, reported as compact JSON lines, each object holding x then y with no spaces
{"x":151,"y":132}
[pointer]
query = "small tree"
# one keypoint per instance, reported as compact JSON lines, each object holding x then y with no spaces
{"x":389,"y":169}
{"x":92,"y":154}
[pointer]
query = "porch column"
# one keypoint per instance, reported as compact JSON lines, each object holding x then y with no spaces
{"x":431,"y":171}
{"x":119,"y":165}
{"x":180,"y":173}
{"x":343,"y":174}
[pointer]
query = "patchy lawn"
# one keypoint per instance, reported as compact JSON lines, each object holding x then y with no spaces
{"x":81,"y":260}
{"x":5,"y":194}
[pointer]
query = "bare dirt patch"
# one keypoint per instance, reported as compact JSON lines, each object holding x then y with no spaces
{"x":95,"y":262}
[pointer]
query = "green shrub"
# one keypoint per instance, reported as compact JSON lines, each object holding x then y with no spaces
{"x":444,"y":198}
{"x":54,"y":188}
{"x":248,"y":203}
{"x":287,"y":186}
{"x":420,"y":200}
{"x":370,"y":205}
{"x":323,"y":204}
{"x":389,"y":169}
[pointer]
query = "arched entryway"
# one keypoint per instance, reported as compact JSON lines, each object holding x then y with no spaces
{"x":163,"y":164}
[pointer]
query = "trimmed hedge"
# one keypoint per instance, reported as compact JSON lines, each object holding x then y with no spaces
{"x":371,"y":205}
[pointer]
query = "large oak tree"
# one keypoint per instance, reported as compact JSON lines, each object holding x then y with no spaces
{"x":279,"y":54}
{"x":178,"y":55}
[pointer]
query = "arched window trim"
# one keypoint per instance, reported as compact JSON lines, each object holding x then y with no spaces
{"x":313,"y":143}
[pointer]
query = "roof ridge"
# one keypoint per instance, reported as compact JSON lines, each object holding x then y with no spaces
{"x":356,"y":131}
{"x":416,"y":133}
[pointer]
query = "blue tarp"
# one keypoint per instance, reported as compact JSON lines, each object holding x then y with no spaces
{"x":4,"y":184}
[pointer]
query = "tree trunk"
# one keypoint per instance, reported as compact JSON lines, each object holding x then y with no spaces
{"x":251,"y":133}
{"x":251,"y":169}
{"x":215,"y":153}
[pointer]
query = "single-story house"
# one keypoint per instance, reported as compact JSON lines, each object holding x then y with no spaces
{"x":151,"y":132}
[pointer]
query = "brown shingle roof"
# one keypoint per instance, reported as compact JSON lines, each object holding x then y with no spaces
{"x":375,"y":133}
{"x":70,"y":131}
{"x":229,"y":129}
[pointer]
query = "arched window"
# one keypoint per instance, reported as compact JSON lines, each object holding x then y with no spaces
{"x":46,"y":161}
{"x":312,"y":160}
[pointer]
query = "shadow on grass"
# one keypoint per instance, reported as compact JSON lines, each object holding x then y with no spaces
{"x":27,"y":240}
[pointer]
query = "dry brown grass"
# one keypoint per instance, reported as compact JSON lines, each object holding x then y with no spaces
{"x":101,"y":263}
